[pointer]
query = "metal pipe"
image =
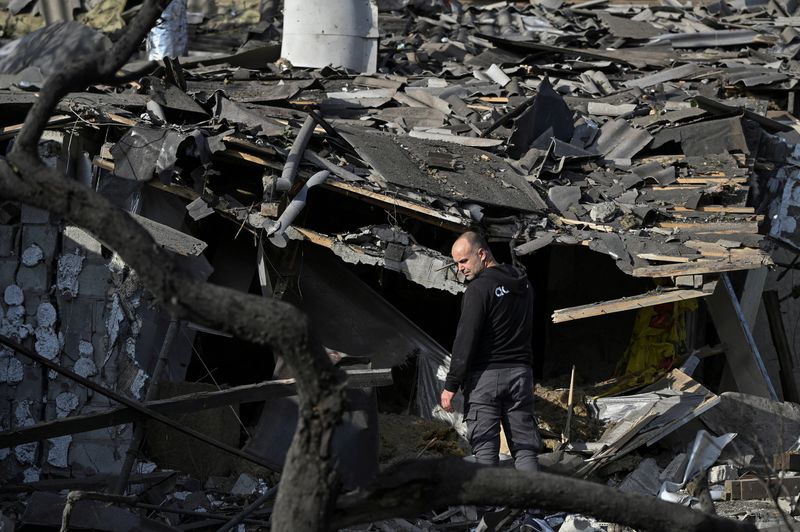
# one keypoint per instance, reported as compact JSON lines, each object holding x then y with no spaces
{"x":286,"y":179}
{"x":277,"y":234}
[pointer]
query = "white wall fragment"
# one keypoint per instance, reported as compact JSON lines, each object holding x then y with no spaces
{"x":66,"y":403}
{"x":13,"y":295}
{"x":130,"y":348}
{"x":32,"y":255}
{"x":47,"y":343}
{"x":69,"y":267}
{"x":144,"y":468}
{"x":13,"y":324}
{"x":138,"y":384}
{"x":85,"y":367}
{"x":113,"y":320}
{"x":32,"y":474}
{"x":58,"y":454}
{"x":25,"y":453}
{"x":46,"y":315}
{"x":85,"y":349}
{"x":11,"y":369}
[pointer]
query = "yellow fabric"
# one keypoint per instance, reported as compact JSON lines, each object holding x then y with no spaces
{"x":656,"y":345}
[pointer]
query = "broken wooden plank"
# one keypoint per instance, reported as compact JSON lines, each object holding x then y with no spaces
{"x":630,"y":303}
{"x":712,"y":227}
{"x":722,"y":209}
{"x":655,"y":257}
{"x":748,"y":261}
{"x":58,"y":120}
{"x":711,"y":180}
{"x":195,"y":402}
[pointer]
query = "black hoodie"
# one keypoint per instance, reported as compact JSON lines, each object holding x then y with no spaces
{"x":496,"y":324}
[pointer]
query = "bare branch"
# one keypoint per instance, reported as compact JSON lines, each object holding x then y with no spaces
{"x":409,"y":489}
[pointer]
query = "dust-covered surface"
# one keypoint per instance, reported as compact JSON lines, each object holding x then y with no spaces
{"x":409,"y":437}
{"x":765,"y":514}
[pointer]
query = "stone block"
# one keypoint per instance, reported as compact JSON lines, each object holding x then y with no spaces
{"x":43,"y":235}
{"x":8,"y":270}
{"x":99,"y":452}
{"x":32,"y":215}
{"x":34,"y":281}
{"x":8,"y":240}
{"x":94,"y":281}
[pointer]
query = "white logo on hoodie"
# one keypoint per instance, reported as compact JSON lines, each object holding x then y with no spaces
{"x":500,"y":291}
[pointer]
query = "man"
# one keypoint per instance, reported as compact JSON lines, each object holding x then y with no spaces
{"x":492,"y":356}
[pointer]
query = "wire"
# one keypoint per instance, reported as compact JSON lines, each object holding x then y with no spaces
{"x":211,"y":375}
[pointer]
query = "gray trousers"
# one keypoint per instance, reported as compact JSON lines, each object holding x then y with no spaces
{"x":502,"y":396}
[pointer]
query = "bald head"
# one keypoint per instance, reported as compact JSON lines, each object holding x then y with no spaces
{"x":471,"y":254}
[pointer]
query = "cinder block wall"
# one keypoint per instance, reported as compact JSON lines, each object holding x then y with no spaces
{"x":67,"y":300}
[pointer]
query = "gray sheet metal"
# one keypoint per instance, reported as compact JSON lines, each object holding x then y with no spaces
{"x":620,"y":141}
{"x":481,"y":177}
{"x":721,"y":108}
{"x":670,"y":74}
{"x":144,"y":150}
{"x":709,"y":39}
{"x":707,"y":137}
{"x":52,"y":47}
{"x":625,"y":27}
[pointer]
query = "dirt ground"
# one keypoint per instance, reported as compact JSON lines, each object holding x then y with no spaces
{"x":551,"y":410}
{"x":410,"y":437}
{"x":404,"y":437}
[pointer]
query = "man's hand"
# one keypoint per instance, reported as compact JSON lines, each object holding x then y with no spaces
{"x":447,"y":401}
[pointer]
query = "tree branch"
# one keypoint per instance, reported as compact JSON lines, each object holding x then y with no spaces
{"x":99,"y":67}
{"x":409,"y":489}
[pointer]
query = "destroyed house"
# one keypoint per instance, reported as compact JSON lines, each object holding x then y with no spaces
{"x":637,"y":162}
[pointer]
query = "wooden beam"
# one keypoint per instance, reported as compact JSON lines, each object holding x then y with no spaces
{"x":58,"y":120}
{"x":712,"y":227}
{"x":630,"y":303}
{"x":567,"y":221}
{"x":427,"y":214}
{"x":712,"y":180}
{"x":664,"y":258}
{"x":722,"y":209}
{"x":195,"y":402}
{"x":747,"y":261}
